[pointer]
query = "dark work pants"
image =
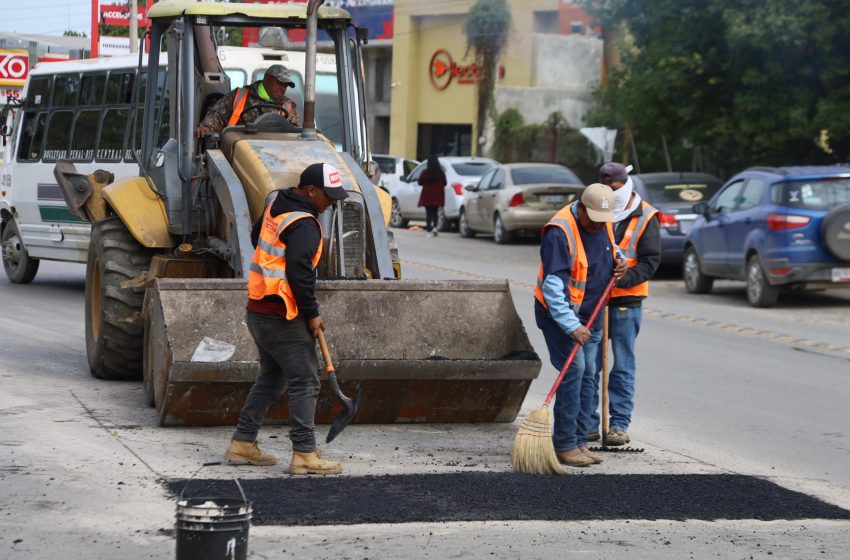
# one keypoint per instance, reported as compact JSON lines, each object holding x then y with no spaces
{"x":287,"y":360}
{"x":431,"y":213}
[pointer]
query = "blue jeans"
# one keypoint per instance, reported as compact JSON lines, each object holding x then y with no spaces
{"x":574,"y":399}
{"x":623,"y":329}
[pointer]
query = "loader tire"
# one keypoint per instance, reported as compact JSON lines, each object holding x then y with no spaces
{"x":114,"y":340}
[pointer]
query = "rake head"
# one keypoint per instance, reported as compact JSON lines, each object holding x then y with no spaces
{"x":610,"y":449}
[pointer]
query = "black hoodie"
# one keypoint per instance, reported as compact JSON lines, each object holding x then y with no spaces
{"x":302,"y":240}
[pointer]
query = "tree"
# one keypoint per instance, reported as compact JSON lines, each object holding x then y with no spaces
{"x":486,"y":28}
{"x":747,"y":81}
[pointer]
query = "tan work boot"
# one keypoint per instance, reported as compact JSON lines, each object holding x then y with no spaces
{"x":574,"y":458}
{"x":241,"y":452}
{"x":311,"y":462}
{"x":617,"y":437}
{"x":590,"y":455}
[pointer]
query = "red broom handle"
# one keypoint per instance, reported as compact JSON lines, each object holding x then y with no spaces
{"x":602,"y":300}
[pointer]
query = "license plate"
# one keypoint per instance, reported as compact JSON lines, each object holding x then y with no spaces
{"x":841,"y":274}
{"x":554,"y":198}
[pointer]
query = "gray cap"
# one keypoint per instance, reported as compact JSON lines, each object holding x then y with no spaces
{"x":613,"y":172}
{"x":598,"y":200}
{"x":280,"y":73}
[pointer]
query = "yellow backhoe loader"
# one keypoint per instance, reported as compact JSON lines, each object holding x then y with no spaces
{"x":170,"y":248}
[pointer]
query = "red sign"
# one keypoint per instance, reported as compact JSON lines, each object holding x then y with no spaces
{"x":442,"y":70}
{"x":14,"y":67}
{"x":116,"y":14}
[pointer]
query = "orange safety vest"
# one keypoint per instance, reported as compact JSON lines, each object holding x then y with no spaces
{"x":239,"y":101}
{"x":267,"y":274}
{"x":629,"y":244}
{"x":565,"y":220}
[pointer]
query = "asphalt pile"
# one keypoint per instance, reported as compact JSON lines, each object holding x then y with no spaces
{"x":491,"y":496}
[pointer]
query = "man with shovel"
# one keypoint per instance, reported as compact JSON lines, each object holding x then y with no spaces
{"x":283,"y":318}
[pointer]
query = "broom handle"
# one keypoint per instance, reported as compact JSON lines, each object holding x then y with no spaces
{"x":605,"y":376}
{"x":602,"y":300}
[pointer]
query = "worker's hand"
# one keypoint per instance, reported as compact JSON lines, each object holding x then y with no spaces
{"x":581,"y":335}
{"x":201,"y":130}
{"x":315,"y":325}
{"x":620,"y":268}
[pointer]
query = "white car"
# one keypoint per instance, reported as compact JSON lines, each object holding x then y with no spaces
{"x":393,"y":168}
{"x":460,"y":172}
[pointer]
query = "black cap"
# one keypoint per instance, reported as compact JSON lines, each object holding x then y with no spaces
{"x":326,"y":177}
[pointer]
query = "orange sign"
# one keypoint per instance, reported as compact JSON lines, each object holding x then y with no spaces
{"x":443,"y":70}
{"x":14,"y":67}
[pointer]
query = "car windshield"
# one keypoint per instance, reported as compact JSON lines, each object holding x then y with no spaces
{"x":537,"y":175}
{"x":659,"y":192}
{"x":387,"y":165}
{"x":475,"y":168}
{"x":821,"y":194}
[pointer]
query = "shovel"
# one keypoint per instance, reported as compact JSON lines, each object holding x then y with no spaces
{"x":350,"y":407}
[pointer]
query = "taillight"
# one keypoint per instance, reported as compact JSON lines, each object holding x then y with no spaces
{"x":458,"y":188}
{"x":517,"y":199}
{"x":777,"y":222}
{"x":668,"y":221}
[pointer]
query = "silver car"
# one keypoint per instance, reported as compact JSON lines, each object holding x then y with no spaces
{"x":517,"y":197}
{"x":460,"y":172}
{"x":393,"y":168}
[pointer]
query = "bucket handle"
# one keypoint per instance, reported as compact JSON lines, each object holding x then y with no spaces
{"x":212,"y":464}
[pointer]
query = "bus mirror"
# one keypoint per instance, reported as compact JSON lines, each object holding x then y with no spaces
{"x":362,"y":35}
{"x":5,"y":131}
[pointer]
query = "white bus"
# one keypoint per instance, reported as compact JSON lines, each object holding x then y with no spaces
{"x":81,"y":110}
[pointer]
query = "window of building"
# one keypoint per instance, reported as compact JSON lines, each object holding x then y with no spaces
{"x":577,"y":27}
{"x":546,"y":22}
{"x":443,"y":140}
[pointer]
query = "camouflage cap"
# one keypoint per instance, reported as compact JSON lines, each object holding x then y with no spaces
{"x":280,"y":73}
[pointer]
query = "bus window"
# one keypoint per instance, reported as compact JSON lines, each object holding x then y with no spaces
{"x":237,"y":77}
{"x":112,"y":133}
{"x":38,"y":92}
{"x":65,"y":91}
{"x":119,"y":88}
{"x":58,"y":135}
{"x":92,"y":89}
{"x":32,"y":134}
{"x":85,"y":135}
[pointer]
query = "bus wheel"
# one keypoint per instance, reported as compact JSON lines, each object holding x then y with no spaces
{"x":19,"y":266}
{"x":114,"y":339}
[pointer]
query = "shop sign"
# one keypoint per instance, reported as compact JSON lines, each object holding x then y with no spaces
{"x":116,"y":14}
{"x":9,"y":92}
{"x":114,"y":46}
{"x":14,"y":67}
{"x":443,"y":70}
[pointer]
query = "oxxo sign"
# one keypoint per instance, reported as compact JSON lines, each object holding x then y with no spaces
{"x":443,"y":70}
{"x":14,"y":67}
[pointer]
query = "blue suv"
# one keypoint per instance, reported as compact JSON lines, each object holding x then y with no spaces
{"x":773,"y":227}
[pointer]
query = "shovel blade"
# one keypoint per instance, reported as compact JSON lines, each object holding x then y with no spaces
{"x":349,"y":412}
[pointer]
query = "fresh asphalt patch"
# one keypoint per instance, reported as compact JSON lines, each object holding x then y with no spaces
{"x":491,"y":496}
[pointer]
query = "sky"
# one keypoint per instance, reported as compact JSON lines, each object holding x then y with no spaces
{"x":46,"y":17}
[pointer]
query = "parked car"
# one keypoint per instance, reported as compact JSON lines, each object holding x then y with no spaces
{"x":775,"y":228}
{"x":460,"y":172}
{"x":517,"y":197}
{"x":393,"y":168}
{"x":674,"y":195}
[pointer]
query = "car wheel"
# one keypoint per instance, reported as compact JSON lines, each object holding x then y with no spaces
{"x":20,"y":267}
{"x":443,"y":223}
{"x":500,"y":234}
{"x":695,"y":281}
{"x":465,"y":230}
{"x":760,"y":293}
{"x":396,"y":219}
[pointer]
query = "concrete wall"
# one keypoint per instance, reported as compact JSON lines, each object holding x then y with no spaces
{"x":566,"y":61}
{"x":536,"y":104}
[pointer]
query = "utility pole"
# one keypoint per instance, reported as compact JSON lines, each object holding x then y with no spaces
{"x":134,"y":26}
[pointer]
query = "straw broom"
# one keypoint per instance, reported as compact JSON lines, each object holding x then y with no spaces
{"x":533,"y":451}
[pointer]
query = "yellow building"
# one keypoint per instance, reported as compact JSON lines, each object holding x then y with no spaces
{"x":551,"y":61}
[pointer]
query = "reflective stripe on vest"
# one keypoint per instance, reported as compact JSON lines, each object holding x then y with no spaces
{"x":267,"y":273}
{"x":628,"y":245}
{"x":239,"y":101}
{"x":565,"y":220}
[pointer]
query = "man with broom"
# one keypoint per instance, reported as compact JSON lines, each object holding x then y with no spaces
{"x":578,"y":258}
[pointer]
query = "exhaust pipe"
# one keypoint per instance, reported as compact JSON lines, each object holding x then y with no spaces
{"x":309,"y":130}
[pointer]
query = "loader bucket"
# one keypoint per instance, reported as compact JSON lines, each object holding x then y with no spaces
{"x":420,"y":351}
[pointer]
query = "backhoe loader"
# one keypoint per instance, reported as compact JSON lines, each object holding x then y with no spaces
{"x":170,"y":248}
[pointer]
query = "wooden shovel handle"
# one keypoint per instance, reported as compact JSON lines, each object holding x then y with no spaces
{"x":329,"y":366}
{"x":605,"y":375}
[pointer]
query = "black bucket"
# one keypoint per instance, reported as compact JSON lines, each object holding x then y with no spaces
{"x":213,"y":527}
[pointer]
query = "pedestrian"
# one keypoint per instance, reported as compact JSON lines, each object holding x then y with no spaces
{"x":433,"y":195}
{"x":284,"y":320}
{"x":637,"y":232}
{"x":578,"y":256}
{"x":263,"y":96}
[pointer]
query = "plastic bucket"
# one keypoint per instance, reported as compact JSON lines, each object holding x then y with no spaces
{"x":213,"y":527}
